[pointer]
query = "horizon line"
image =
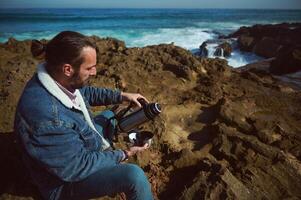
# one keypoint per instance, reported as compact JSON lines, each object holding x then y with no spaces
{"x":150,"y":8}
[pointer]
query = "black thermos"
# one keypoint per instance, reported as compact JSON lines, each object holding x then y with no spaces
{"x":144,"y":114}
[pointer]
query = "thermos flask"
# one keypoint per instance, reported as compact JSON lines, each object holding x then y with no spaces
{"x":142,"y":115}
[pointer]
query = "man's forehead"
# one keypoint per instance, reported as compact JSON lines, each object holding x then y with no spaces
{"x":88,"y":50}
{"x":89,"y":55}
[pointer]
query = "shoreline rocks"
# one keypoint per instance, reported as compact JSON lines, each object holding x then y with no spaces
{"x":218,"y":48}
{"x":281,"y":41}
{"x":223,"y":50}
{"x":223,"y":133}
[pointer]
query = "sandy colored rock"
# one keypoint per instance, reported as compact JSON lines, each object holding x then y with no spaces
{"x":222,"y":134}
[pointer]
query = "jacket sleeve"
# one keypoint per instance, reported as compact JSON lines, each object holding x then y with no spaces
{"x":61,"y":151}
{"x":101,"y":96}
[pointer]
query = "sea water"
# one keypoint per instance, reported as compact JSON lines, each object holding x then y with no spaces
{"x":187,"y":28}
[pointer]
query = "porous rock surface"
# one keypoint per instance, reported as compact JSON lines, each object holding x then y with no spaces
{"x":222,"y":134}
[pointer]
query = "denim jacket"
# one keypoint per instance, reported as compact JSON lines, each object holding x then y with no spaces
{"x":57,"y":143}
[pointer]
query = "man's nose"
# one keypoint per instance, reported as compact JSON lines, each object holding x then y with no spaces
{"x":93,"y":71}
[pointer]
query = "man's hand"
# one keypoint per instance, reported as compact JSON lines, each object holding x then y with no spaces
{"x":132,"y":97}
{"x":135,"y":149}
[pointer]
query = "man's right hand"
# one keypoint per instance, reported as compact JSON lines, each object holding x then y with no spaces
{"x":135,"y":149}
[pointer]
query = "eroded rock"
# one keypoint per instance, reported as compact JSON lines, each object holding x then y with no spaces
{"x":222,"y":134}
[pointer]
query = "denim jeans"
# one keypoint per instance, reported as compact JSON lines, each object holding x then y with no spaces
{"x":127,"y":178}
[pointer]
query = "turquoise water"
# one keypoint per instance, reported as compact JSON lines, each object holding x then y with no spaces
{"x":187,"y":28}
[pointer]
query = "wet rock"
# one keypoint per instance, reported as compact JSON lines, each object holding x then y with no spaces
{"x":284,"y":33}
{"x":267,"y":47}
{"x":287,"y":61}
{"x":219,"y":52}
{"x":223,"y":50}
{"x":246,"y":43}
{"x":203,"y":50}
{"x":280,"y":40}
{"x":260,"y":66}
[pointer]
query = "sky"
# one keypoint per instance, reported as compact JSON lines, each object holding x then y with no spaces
{"x":249,"y":4}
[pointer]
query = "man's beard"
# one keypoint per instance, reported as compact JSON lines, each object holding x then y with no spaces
{"x":76,"y":82}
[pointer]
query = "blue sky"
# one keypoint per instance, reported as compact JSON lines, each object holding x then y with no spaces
{"x":272,"y":4}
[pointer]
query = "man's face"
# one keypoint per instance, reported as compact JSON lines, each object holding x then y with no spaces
{"x":86,"y":69}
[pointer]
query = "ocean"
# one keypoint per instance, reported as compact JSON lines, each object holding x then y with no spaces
{"x":187,"y":28}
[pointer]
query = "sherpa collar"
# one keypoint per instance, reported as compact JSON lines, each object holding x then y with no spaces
{"x":48,"y":82}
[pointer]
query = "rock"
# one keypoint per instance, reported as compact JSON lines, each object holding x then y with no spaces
{"x":262,"y":66}
{"x":283,"y":33}
{"x":223,"y":50}
{"x":108,"y":45}
{"x":246,"y":43}
{"x":282,"y":41}
{"x":15,"y":46}
{"x":238,"y":113}
{"x":121,"y":84}
{"x":287,"y":61}
{"x":241,"y":31}
{"x":222,"y":133}
{"x":221,"y":47}
{"x":268,"y":136}
{"x":205,"y":184}
{"x":219,"y":52}
{"x":203,"y":50}
{"x":237,"y":187}
{"x":180,"y":71}
{"x":267,"y":47}
{"x":187,"y":158}
{"x":227,"y":49}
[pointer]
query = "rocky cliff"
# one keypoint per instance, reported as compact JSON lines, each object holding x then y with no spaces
{"x":223,"y":134}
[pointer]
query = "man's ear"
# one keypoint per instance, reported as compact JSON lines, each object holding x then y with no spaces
{"x":68,"y":70}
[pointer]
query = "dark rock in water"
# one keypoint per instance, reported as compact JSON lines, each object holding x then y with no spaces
{"x":223,"y":50}
{"x":278,"y":40}
{"x":203,"y":50}
{"x":262,"y":66}
{"x":276,"y":31}
{"x":219,"y":52}
{"x":227,"y":48}
{"x":246,"y":43}
{"x":267,"y":47}
{"x":241,"y":31}
{"x":287,"y":61}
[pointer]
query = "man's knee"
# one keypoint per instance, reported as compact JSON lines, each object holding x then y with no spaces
{"x":135,"y":175}
{"x":108,"y":114}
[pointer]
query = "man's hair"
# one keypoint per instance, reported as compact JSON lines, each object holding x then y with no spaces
{"x":64,"y":48}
